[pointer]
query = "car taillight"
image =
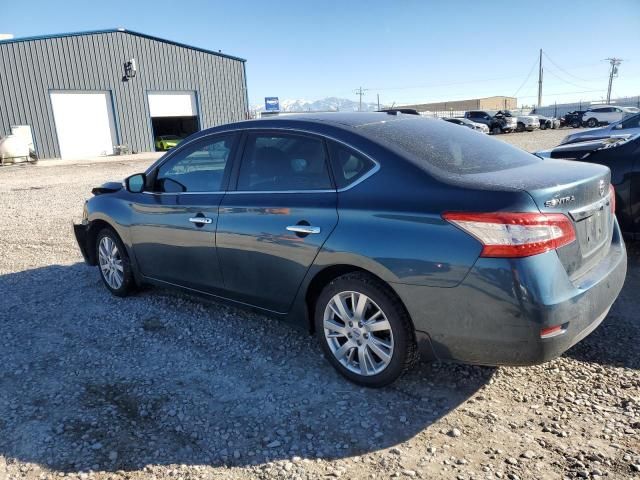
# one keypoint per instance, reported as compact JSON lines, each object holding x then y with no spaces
{"x":515,"y":235}
{"x":612,"y":201}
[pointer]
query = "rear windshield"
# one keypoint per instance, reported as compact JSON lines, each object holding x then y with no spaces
{"x":440,"y":147}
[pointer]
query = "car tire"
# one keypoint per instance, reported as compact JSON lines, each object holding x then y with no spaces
{"x":575,"y":124}
{"x":387,"y":352}
{"x":592,"y":122}
{"x":520,"y":127}
{"x":113,"y":263}
{"x":496,"y":130}
{"x":543,"y":126}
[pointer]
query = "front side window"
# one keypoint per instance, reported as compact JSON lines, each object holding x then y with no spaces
{"x":279,"y":162}
{"x":196,"y":168}
{"x":348,"y":166}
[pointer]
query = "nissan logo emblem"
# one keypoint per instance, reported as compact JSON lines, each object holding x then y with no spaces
{"x":601,"y":188}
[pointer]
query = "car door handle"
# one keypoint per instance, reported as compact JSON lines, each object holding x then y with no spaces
{"x":201,"y":220}
{"x":304,"y":229}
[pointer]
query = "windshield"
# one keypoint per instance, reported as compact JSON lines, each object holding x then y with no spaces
{"x":441,"y":148}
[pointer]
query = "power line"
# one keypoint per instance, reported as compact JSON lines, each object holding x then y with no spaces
{"x":562,"y":69}
{"x":526,"y":79}
{"x":565,"y":80}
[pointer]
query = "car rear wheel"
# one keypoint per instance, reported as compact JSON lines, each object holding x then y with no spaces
{"x":592,"y":122}
{"x":364,"y":330}
{"x":575,"y":124}
{"x":113,"y":263}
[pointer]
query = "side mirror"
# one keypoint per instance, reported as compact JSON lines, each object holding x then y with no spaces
{"x":135,"y":183}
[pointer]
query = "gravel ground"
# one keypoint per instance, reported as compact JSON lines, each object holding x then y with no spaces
{"x":538,"y":139}
{"x":163,"y":385}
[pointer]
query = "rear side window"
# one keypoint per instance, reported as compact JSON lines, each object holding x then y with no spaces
{"x":438,"y":147}
{"x":348,"y":165}
{"x":277,"y":162}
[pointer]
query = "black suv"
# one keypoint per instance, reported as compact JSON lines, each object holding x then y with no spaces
{"x":572,"y":119}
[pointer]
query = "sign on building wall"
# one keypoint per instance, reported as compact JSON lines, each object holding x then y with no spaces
{"x":271,"y":104}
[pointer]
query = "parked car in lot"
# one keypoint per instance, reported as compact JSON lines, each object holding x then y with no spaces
{"x":497,"y":123}
{"x":385,"y":234}
{"x":465,"y":122}
{"x":527,"y":122}
{"x":547,"y":122}
{"x":605,"y":114}
{"x":622,"y":156}
{"x":626,"y":127}
{"x":572,"y":119}
{"x":523,"y":122}
{"x":166,"y":142}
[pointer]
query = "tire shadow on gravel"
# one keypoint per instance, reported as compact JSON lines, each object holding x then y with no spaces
{"x":615,"y":341}
{"x":93,"y":382}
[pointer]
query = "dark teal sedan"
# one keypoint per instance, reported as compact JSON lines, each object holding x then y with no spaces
{"x":388,"y":235}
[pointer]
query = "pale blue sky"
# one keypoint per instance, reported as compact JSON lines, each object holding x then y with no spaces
{"x":407,"y":51}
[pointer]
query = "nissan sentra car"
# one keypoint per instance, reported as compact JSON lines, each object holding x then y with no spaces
{"x":388,"y":235}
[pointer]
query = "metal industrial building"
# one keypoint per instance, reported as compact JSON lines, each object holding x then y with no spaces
{"x":96,"y":93}
{"x":487,"y":103}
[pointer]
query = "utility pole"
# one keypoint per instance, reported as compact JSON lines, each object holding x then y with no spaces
{"x":615,"y":62}
{"x":360,"y":91}
{"x":378,"y":101}
{"x":540,"y":80}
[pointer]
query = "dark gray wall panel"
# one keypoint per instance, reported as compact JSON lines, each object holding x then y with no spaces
{"x":30,"y":69}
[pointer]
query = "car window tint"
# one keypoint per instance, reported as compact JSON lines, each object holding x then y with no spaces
{"x":439,"y":148}
{"x":196,"y":168}
{"x":631,"y":122}
{"x":277,"y":162}
{"x":348,"y":166}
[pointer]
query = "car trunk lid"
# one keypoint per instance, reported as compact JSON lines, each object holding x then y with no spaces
{"x":581,"y":191}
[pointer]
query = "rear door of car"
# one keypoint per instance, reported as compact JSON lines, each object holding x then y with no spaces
{"x":280,"y":209}
{"x":174,"y":221}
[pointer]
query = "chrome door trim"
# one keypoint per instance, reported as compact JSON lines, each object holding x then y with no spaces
{"x":373,"y":171}
{"x":201,"y":220}
{"x":306,"y":229}
{"x":185,"y":193}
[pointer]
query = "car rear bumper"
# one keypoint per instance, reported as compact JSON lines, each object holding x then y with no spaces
{"x":496,"y":315}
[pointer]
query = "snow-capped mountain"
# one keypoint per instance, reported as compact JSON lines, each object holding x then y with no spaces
{"x":329,"y":104}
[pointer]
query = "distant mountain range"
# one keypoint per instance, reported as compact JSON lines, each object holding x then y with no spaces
{"x":329,"y":104}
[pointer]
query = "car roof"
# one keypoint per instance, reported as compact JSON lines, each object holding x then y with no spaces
{"x":340,"y":120}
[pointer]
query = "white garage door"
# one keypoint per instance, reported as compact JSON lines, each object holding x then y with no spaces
{"x":172,"y":104}
{"x":84,"y":122}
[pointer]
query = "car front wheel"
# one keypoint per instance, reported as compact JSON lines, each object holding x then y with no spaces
{"x":113,"y":262}
{"x":592,"y":123}
{"x":364,"y":330}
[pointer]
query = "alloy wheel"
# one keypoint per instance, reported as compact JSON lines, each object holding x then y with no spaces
{"x":110,"y":261}
{"x":358,"y":333}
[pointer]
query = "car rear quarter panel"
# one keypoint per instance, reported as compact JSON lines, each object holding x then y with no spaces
{"x":391,"y":225}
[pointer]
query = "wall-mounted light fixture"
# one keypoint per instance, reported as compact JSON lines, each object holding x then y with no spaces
{"x":130,"y":69}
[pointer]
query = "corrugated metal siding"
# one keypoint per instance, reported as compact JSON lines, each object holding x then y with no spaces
{"x":30,"y":70}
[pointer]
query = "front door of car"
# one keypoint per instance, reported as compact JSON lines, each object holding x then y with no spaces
{"x":272,"y":226}
{"x":174,"y":221}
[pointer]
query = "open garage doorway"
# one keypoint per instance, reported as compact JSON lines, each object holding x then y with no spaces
{"x":174,"y":116}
